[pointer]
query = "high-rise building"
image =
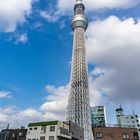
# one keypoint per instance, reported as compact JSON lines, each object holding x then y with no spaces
{"x":78,"y":103}
{"x":98,"y":116}
{"x":128,"y":121}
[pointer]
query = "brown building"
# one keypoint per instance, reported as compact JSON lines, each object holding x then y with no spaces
{"x":115,"y":133}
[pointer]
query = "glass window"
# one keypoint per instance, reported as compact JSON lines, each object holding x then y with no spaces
{"x":35,"y":128}
{"x":13,"y":135}
{"x":125,"y":136}
{"x":99,"y":135}
{"x":51,"y":137}
{"x":20,"y":133}
{"x":30,"y":128}
{"x":42,"y":138}
{"x":43,"y":129}
{"x":52,"y":128}
{"x":63,"y":131}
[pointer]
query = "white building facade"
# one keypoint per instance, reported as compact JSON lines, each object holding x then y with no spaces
{"x":98,"y":116}
{"x":52,"y":130}
{"x":128,"y":121}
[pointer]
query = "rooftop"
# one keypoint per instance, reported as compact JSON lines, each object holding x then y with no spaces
{"x":43,"y":123}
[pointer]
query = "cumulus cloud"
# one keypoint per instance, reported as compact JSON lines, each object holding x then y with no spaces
{"x":22,"y":38}
{"x":13,"y":12}
{"x":113,"y":45}
{"x":17,"y":118}
{"x":91,"y":5}
{"x":49,"y":17}
{"x":57,"y":100}
{"x":5,"y":94}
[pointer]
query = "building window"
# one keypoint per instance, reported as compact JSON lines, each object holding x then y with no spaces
{"x":99,"y":135}
{"x":52,"y":128}
{"x":43,"y":129}
{"x":30,"y":128}
{"x":63,"y":131}
{"x":13,"y":135}
{"x":125,"y":136}
{"x":42,"y":138}
{"x":35,"y":128}
{"x":51,"y":137}
{"x":20,"y":133}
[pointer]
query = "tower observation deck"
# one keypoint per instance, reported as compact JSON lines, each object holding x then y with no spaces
{"x":78,"y":110}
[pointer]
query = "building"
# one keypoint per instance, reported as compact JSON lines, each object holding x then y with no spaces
{"x":13,"y":134}
{"x":54,"y":130}
{"x":115,"y":133}
{"x":130,"y":121}
{"x":76,"y":131}
{"x":78,"y":104}
{"x":98,"y":116}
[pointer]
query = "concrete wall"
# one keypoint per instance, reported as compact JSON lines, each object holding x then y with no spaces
{"x":77,"y":131}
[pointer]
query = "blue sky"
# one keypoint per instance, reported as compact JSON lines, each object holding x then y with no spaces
{"x":35,"y":56}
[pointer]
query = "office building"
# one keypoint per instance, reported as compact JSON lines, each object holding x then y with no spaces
{"x":98,"y":116}
{"x":128,"y":121}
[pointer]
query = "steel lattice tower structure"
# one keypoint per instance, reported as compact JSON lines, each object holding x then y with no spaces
{"x":78,"y":109}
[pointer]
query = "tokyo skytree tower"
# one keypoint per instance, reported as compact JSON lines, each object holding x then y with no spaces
{"x":78,"y":110}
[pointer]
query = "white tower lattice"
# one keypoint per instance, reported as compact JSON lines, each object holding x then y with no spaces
{"x":78,"y":104}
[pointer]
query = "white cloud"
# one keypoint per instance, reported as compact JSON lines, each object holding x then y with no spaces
{"x":113,"y":45}
{"x":5,"y":94}
{"x":49,"y":17}
{"x":56,"y":103}
{"x":22,"y":38}
{"x":91,"y":5}
{"x":13,"y":12}
{"x":17,"y":118}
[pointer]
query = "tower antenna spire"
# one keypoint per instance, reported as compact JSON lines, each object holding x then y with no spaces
{"x":78,"y":109}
